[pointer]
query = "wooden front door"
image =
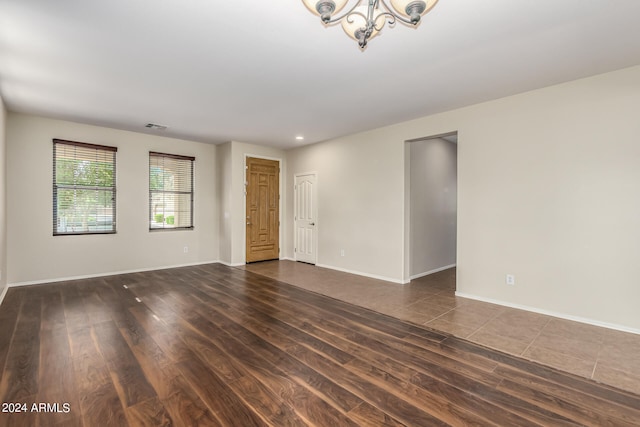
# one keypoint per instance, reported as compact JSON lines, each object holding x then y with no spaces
{"x":263,"y":209}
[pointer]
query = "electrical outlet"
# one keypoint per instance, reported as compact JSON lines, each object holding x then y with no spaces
{"x":511,"y":279}
{"x":341,"y":252}
{"x":186,"y":249}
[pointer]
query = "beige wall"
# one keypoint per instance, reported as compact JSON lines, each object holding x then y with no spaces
{"x":548,"y":185}
{"x":37,"y":255}
{"x":360,"y":202}
{"x":3,"y":200}
{"x":433,"y":196}
{"x":233,"y":217}
{"x":225,"y":184}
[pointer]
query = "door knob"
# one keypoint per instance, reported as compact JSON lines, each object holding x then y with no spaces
{"x":312,"y":223}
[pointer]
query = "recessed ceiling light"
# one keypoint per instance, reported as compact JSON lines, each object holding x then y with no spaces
{"x":299,"y":138}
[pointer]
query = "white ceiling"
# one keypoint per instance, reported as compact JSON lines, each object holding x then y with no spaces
{"x":265,"y":71}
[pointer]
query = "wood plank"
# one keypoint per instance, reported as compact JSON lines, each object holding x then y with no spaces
{"x":128,"y":378}
{"x":448,"y":403}
{"x":176,"y":399}
{"x":98,"y":400}
{"x":380,"y":397}
{"x":9,"y":312}
{"x":384,"y":344}
{"x":101,"y":406}
{"x":583,"y":415}
{"x":20,"y":416}
{"x":57,"y":384}
{"x":214,"y":391}
{"x":166,"y":338}
{"x":185,"y":405}
{"x":606,"y":409}
{"x":202,"y":325}
{"x":508,"y":403}
{"x":157,"y":368}
{"x":314,"y":409}
{"x":366,"y":414}
{"x":90,"y":369}
{"x":544,"y":373}
{"x":74,"y":308}
{"x":337,"y":308}
{"x":20,"y":375}
{"x":214,"y":345}
{"x":276,"y":392}
{"x":149,"y":413}
{"x":278,"y":357}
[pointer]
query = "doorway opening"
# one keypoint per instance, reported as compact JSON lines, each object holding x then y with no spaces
{"x":431,"y":205}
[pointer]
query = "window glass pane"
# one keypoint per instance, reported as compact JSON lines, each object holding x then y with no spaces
{"x":83,"y":188}
{"x":81,"y":170}
{"x":170,"y":191}
{"x":82,"y":211}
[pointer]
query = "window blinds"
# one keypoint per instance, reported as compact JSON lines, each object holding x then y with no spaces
{"x":84,"y":188}
{"x":170,"y":191}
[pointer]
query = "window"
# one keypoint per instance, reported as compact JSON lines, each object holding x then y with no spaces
{"x":84,"y":188}
{"x":170,"y":191}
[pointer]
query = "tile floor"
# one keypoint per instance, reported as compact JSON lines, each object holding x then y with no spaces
{"x":605,"y":355}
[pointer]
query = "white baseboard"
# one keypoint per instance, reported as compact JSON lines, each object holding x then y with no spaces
{"x":426,"y":273}
{"x":105,"y":274}
{"x":238,"y":264}
{"x":360,"y":273}
{"x":552,"y":313}
{"x":230,"y":264}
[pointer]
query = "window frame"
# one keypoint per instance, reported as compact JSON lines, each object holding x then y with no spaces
{"x":58,"y":186}
{"x":191,"y":193}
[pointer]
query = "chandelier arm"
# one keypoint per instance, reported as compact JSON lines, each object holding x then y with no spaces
{"x":344,"y":15}
{"x":390,"y":18}
{"x":395,"y":15}
{"x":349,"y":16}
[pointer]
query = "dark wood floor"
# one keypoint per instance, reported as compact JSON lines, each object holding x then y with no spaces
{"x":213,"y":345}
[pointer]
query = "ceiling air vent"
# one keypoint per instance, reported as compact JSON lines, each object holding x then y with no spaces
{"x":155,"y":126}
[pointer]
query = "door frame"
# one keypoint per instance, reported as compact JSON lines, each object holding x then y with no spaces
{"x":406,"y":253}
{"x":317,"y":210}
{"x":244,"y":202}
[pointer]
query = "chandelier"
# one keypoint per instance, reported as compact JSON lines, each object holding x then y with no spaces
{"x":365,"y":18}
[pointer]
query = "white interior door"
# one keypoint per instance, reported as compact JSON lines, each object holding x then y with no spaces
{"x":306,"y":218}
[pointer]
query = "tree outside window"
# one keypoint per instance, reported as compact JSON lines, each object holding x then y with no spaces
{"x":84,"y":188}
